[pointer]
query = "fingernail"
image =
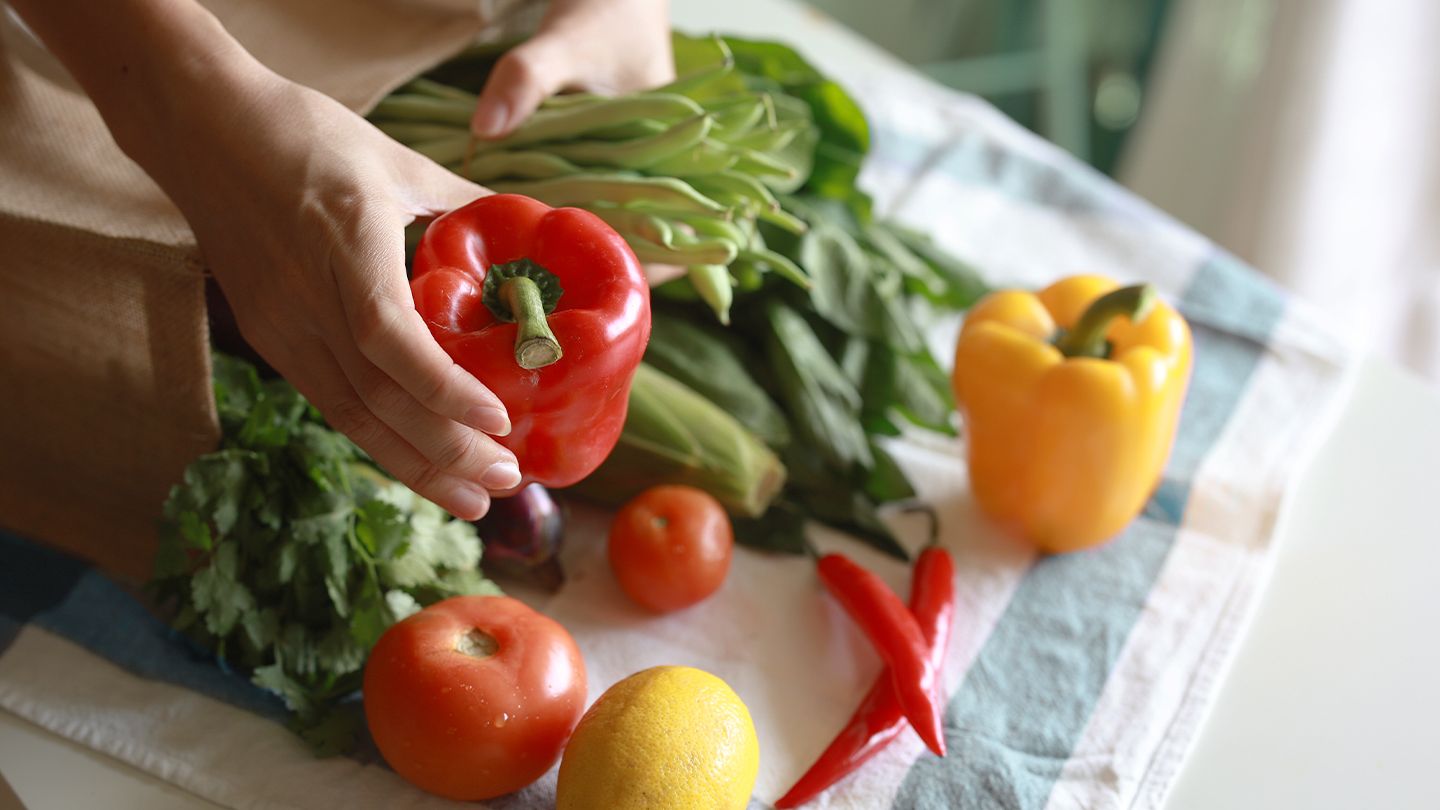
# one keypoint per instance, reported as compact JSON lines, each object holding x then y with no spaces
{"x":501,"y":475}
{"x":489,"y":120}
{"x":489,"y":419}
{"x":470,"y":502}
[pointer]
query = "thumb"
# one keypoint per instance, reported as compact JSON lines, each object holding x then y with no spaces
{"x":429,"y":188}
{"x":524,"y":77}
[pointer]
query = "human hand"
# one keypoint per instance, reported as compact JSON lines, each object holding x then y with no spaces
{"x":299,"y":207}
{"x":596,"y":46}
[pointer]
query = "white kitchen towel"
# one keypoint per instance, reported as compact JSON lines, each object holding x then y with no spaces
{"x":1076,"y":681}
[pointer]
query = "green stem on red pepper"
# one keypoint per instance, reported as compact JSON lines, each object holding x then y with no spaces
{"x":523,"y":292}
{"x":879,"y":718}
{"x":897,"y":638}
{"x":535,"y":344}
{"x":566,"y":420}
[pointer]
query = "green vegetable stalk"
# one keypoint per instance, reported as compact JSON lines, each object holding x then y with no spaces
{"x":675,"y":436}
{"x":683,"y":172}
{"x":742,"y":171}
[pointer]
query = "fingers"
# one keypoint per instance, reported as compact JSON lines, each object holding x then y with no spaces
{"x":391,"y":335}
{"x":451,"y":447}
{"x":524,"y":77}
{"x":428,"y":189}
{"x":315,"y":372}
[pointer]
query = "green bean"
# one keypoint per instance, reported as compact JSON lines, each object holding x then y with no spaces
{"x":781,"y":265}
{"x":769,"y":139}
{"x":759,"y":164}
{"x":638,"y":153}
{"x":643,"y":128}
{"x":444,"y":150}
{"x":747,"y":275}
{"x":401,"y":107}
{"x":413,"y":132}
{"x":707,"y":252}
{"x":655,"y":240}
{"x":570,"y":121}
{"x":735,"y":117}
{"x":526,"y":165}
{"x":707,"y":157}
{"x":705,"y":225}
{"x":582,"y":189}
{"x":783,"y":220}
{"x":630,"y":221}
{"x":427,"y":87}
{"x":712,"y":282}
{"x":696,"y":80}
{"x":565,"y":100}
{"x":736,"y":189}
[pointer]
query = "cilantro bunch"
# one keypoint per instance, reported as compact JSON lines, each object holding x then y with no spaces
{"x":288,"y":553}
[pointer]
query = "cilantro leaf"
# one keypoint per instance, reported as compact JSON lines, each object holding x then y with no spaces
{"x":289,"y":553}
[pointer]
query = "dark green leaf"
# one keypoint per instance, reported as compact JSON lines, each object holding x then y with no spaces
{"x":333,"y":730}
{"x":195,"y":531}
{"x":371,"y":617}
{"x":961,"y":285}
{"x":781,"y":529}
{"x":287,"y":590}
{"x":849,"y":287}
{"x":886,"y":481}
{"x":855,"y":513}
{"x":824,"y":405}
{"x":911,"y":386}
{"x":382,"y":529}
{"x":712,"y":362}
{"x":218,"y":594}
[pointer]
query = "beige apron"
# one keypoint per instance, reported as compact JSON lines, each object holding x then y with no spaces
{"x":104,"y":347}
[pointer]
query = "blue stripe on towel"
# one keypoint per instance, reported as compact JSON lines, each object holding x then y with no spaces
{"x":33,"y":579}
{"x":62,"y":594}
{"x":1016,"y":717}
{"x":101,"y":617}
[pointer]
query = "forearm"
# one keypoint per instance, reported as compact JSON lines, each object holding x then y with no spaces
{"x":143,"y":63}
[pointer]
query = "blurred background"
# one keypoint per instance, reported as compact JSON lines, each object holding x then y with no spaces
{"x":1301,"y":135}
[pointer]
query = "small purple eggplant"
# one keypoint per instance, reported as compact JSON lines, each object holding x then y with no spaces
{"x":522,"y":535}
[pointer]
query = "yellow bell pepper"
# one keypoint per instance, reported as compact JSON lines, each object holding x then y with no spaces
{"x":1070,"y":399}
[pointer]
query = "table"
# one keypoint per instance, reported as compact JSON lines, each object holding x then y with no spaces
{"x":1294,"y":725}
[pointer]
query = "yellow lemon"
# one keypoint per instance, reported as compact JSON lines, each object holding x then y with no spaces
{"x":667,"y":737}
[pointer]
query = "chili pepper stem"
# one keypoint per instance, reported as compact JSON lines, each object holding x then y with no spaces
{"x":535,"y":344}
{"x":1087,"y":338}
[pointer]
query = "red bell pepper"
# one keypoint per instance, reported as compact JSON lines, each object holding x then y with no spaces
{"x":549,"y":308}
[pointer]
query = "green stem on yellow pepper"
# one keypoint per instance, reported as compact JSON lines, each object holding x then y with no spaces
{"x":1087,"y":338}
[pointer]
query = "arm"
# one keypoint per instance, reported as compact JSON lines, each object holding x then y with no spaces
{"x":299,"y":207}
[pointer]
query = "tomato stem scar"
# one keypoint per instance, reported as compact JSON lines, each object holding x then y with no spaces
{"x":477,"y":643}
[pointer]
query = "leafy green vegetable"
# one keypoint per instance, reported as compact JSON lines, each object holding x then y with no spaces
{"x":673,"y":435}
{"x":288,"y":553}
{"x":743,"y":171}
{"x":824,"y":403}
{"x":716,"y":364}
{"x":843,"y":133}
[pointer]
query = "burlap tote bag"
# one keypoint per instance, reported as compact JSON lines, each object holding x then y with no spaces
{"x":104,"y":347}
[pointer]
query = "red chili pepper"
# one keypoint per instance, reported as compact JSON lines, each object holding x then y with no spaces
{"x":879,"y":719}
{"x":897,"y":637}
{"x":549,"y":308}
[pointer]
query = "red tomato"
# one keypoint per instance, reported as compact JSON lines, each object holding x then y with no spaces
{"x":670,"y":547}
{"x":474,"y":697}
